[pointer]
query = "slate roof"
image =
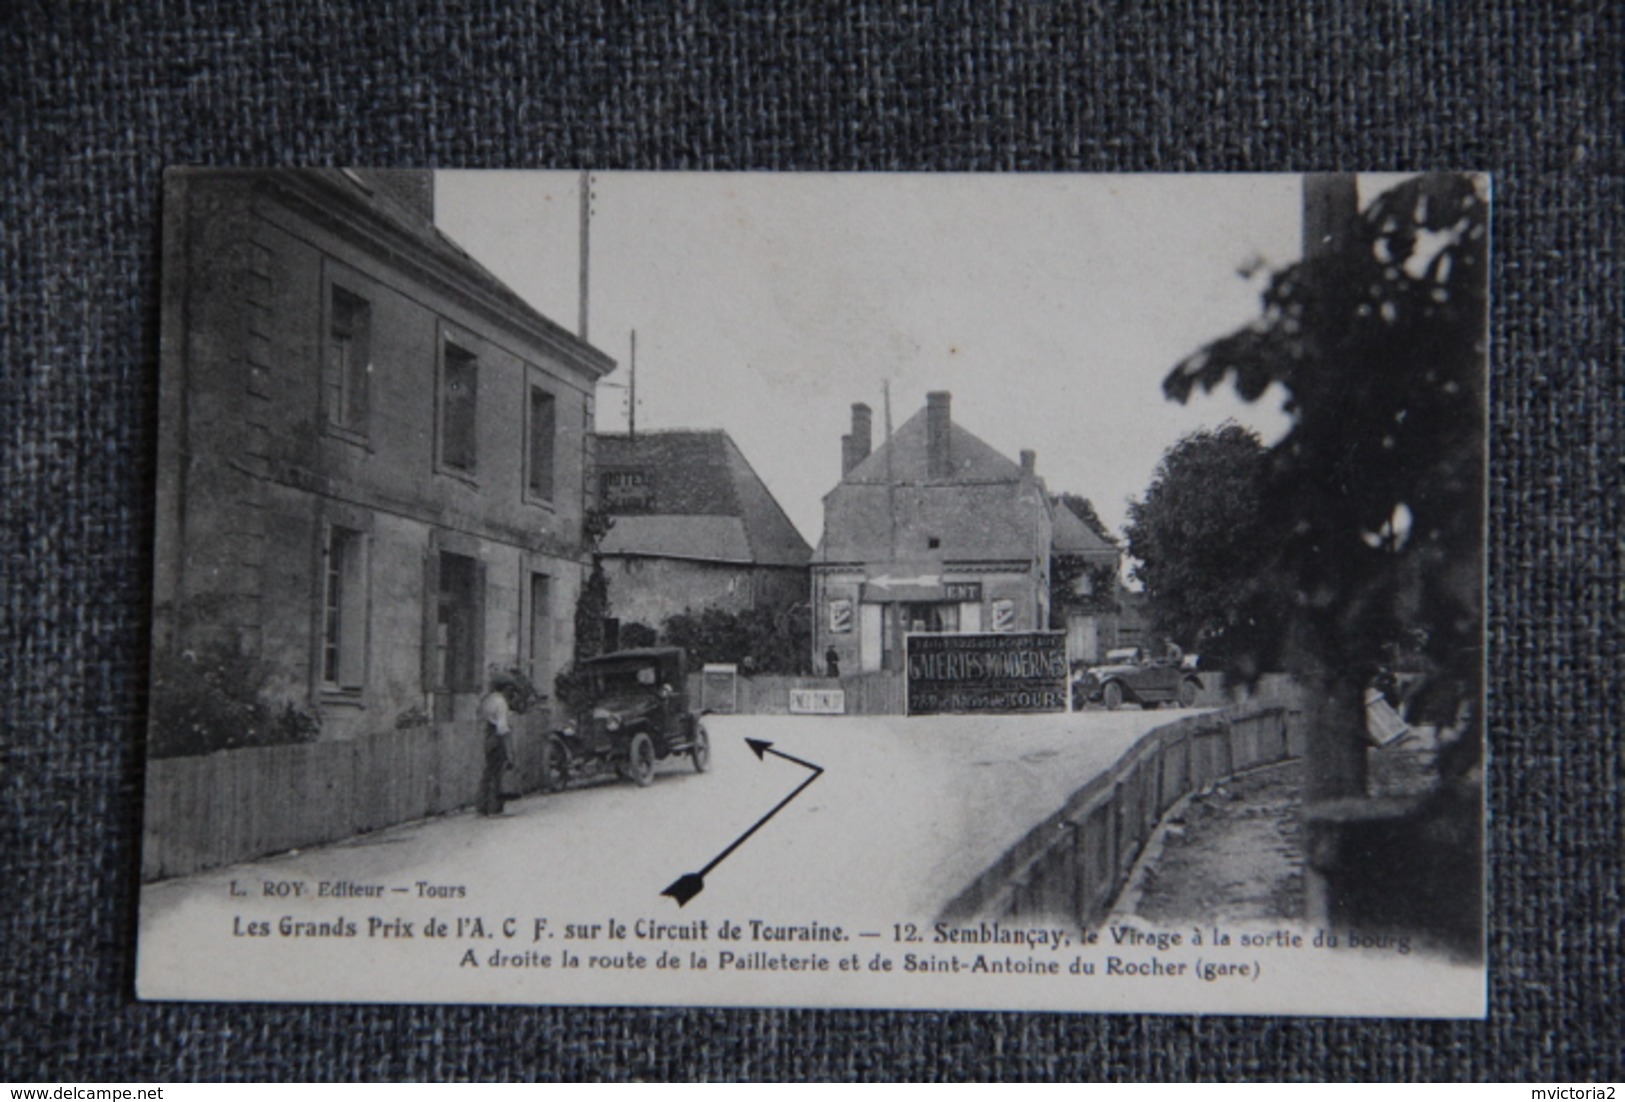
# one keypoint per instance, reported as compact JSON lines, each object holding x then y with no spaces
{"x":707,"y":502}
{"x":1074,"y":537}
{"x":981,"y":511}
{"x":971,"y":459}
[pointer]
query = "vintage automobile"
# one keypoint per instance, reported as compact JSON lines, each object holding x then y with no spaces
{"x":1128,"y":677}
{"x":631,"y":711}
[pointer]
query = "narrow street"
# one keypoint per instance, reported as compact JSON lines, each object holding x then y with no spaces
{"x":905,"y":814}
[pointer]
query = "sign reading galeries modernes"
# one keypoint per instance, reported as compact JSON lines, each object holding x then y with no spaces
{"x":987,"y":672}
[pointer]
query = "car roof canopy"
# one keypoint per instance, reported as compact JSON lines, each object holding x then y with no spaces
{"x":637,"y":654}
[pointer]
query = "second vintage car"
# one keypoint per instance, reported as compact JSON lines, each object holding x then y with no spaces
{"x":628,"y":711}
{"x":1127,"y":677}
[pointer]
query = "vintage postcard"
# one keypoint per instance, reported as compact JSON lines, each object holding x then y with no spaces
{"x":1024,"y":592}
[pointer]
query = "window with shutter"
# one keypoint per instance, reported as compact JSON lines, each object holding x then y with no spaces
{"x":459,"y":405}
{"x":349,"y":356}
{"x":459,"y":624}
{"x":540,"y":443}
{"x":344,"y":610}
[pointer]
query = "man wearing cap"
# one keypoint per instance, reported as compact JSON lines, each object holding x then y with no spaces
{"x":495,"y":712}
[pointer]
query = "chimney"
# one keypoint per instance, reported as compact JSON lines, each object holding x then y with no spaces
{"x":938,"y":456}
{"x":1331,"y":206}
{"x":412,"y":188}
{"x":1029,"y":463}
{"x":855,"y":445}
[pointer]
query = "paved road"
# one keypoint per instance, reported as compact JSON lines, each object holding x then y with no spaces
{"x":907,"y":812}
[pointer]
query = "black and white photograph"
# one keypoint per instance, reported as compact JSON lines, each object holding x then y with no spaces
{"x":1015,"y":592}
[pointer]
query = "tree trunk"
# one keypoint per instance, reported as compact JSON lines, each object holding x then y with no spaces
{"x":1334,"y":768}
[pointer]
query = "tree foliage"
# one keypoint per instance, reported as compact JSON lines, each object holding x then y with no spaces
{"x":218,"y":697}
{"x":592,"y":603}
{"x":1084,"y":585}
{"x":1198,"y":538}
{"x":759,"y":640}
{"x":1375,"y":494}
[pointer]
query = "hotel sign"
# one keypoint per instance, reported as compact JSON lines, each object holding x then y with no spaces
{"x":986,"y":672}
{"x":627,"y":490}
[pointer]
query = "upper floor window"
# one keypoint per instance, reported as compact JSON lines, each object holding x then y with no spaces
{"x":459,"y":403}
{"x":349,"y":359}
{"x":543,"y":428}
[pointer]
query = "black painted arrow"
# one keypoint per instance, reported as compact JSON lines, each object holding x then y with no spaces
{"x":690,"y":884}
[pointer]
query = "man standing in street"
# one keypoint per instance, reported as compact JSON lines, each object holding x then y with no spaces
{"x":495,"y":721}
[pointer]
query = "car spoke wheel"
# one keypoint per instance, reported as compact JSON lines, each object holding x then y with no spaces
{"x":1112,"y":696}
{"x":555,"y":763}
{"x":640,"y":760}
{"x":701,"y":753}
{"x":1187,"y":694}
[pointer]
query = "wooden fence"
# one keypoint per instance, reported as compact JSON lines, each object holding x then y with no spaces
{"x":1075,"y":862}
{"x":203,"y":812}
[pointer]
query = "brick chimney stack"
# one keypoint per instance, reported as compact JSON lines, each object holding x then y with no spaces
{"x":939,"y":462}
{"x":855,"y":446}
{"x":1331,"y":206}
{"x":412,"y":188}
{"x":1029,"y":463}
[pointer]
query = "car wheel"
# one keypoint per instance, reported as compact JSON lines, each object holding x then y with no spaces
{"x":1112,"y":696}
{"x":1187,"y":693}
{"x":640,"y":760}
{"x":555,"y":763}
{"x":701,"y":753}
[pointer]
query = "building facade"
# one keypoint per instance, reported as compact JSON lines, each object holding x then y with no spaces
{"x":373,"y":459}
{"x":694,"y":528}
{"x":934,"y":531}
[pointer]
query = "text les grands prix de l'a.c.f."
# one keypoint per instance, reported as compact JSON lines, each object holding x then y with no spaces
{"x":756,"y":945}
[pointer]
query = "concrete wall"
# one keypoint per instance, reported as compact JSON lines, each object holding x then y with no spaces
{"x":1073,"y":865}
{"x":866,"y":694}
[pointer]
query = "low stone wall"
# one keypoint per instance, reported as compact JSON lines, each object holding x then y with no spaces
{"x":1073,"y":864}
{"x":877,"y":694}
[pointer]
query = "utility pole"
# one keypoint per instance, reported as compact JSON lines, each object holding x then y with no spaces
{"x":586,"y":222}
{"x":1334,"y":758}
{"x":632,"y":392}
{"x":891,"y":493}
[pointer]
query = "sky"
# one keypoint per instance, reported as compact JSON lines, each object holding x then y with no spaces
{"x":1051,"y":306}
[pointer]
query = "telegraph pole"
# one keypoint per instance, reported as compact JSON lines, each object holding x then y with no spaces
{"x":586,"y":222}
{"x":632,"y":392}
{"x":891,"y":493}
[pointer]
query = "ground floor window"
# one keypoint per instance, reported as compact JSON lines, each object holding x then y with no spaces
{"x":931,"y":616}
{"x":344,"y":610}
{"x":458,"y":604}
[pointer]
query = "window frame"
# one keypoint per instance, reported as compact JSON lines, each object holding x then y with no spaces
{"x":452,"y":345}
{"x":338,"y":686}
{"x":337,"y":282}
{"x":534,"y":387}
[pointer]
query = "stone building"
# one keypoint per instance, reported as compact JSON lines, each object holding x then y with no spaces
{"x":934,"y":531}
{"x":372,"y":469}
{"x":695,"y":528}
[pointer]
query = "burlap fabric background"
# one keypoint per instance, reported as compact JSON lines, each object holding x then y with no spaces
{"x":97,"y":100}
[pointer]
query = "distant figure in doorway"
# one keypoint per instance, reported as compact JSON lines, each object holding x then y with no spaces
{"x":832,"y":663}
{"x":495,"y":720}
